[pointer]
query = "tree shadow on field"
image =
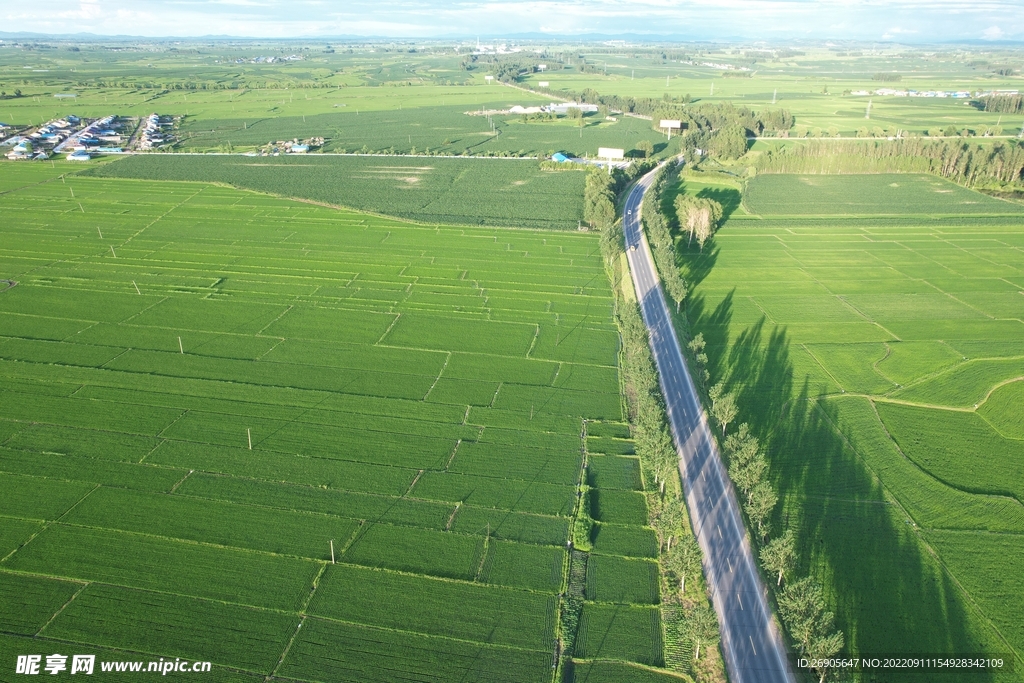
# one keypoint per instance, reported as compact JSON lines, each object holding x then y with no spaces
{"x":726,"y":196}
{"x":695,"y":264}
{"x":714,"y":325}
{"x":889,"y":595}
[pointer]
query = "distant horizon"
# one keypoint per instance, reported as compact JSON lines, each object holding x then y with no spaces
{"x":524,"y":38}
{"x":907,"y":22}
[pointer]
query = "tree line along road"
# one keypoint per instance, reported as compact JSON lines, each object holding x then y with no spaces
{"x":752,"y":645}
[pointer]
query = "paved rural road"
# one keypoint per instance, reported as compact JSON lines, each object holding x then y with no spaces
{"x":754,"y":650}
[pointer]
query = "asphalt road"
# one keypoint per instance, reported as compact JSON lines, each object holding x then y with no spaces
{"x":754,"y":651}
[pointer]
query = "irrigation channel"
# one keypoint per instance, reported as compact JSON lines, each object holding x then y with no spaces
{"x":753,"y":647}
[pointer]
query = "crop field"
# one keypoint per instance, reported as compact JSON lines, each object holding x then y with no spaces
{"x":620,"y":619}
{"x":882,"y":359}
{"x":507,"y":192}
{"x":206,"y":390}
{"x":879,"y":194}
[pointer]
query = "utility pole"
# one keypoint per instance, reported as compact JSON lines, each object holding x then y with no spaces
{"x":774,"y":95}
{"x":867,"y":114}
{"x":332,"y":551}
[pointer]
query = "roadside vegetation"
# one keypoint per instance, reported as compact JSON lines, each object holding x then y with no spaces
{"x":802,"y":606}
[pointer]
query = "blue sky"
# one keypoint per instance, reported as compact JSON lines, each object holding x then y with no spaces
{"x":771,"y":20}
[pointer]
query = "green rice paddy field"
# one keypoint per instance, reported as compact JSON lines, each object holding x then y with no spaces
{"x":505,"y":192}
{"x":203,"y":387}
{"x":874,"y":335}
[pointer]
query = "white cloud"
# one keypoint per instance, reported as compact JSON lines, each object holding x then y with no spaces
{"x":992,"y":33}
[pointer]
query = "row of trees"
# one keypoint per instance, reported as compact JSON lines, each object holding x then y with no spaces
{"x":599,"y":200}
{"x":686,"y":609}
{"x":893,"y":132}
{"x":802,"y":605}
{"x":958,"y":160}
{"x":952,"y":132}
{"x":659,"y":233}
{"x":748,"y":466}
{"x":1002,"y":104}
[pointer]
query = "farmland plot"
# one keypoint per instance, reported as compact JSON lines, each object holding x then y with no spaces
{"x":870,"y":328}
{"x":899,"y":194}
{"x":240,"y":413}
{"x":508,"y":192}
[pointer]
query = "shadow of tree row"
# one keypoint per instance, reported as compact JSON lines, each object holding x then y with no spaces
{"x":889,"y":594}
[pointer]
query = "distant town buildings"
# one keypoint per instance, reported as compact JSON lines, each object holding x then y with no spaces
{"x":562,"y":108}
{"x":269,"y":60}
{"x":154,"y":132}
{"x":716,"y":65}
{"x":497,"y":49}
{"x":83,"y":139}
{"x":556,"y":108}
